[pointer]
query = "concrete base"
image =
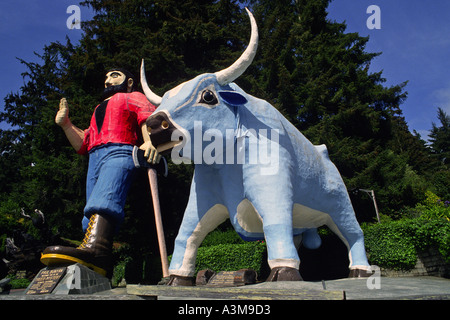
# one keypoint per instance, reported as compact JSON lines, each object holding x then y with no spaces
{"x":405,"y":288}
{"x":75,"y":279}
{"x":423,"y":288}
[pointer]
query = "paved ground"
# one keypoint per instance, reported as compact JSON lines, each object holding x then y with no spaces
{"x":403,"y":288}
{"x":394,"y":288}
{"x":409,"y":288}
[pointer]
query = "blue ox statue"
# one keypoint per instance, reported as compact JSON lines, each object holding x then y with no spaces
{"x":281,"y":195}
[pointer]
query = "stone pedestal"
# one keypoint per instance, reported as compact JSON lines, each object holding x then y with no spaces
{"x":72,"y":279}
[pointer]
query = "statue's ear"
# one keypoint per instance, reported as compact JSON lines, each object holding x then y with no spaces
{"x":233,"y":98}
{"x":130,"y":84}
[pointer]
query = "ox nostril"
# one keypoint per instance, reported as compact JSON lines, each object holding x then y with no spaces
{"x":164,"y":124}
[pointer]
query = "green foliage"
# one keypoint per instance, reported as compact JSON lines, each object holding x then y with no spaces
{"x":394,"y":244}
{"x":218,"y":237}
{"x":122,"y":256}
{"x":11,"y":222}
{"x":9,"y":216}
{"x":440,"y":138}
{"x":229,"y":257}
{"x":433,"y":207}
{"x":226,"y":251}
{"x":118,"y":272}
{"x":18,"y":283}
{"x":440,"y":181}
{"x":389,"y":246}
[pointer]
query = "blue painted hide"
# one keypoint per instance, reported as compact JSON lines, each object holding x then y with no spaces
{"x":255,"y":168}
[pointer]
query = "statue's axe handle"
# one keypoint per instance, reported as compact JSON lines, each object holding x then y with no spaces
{"x":141,"y":162}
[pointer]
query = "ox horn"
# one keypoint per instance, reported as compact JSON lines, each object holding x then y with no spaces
{"x":152,"y":97}
{"x":237,"y":68}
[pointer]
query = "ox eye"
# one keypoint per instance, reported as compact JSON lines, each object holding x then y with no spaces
{"x":208,"y":97}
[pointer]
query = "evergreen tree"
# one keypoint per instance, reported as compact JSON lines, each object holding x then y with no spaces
{"x":440,"y":137}
{"x":440,"y":146}
{"x":41,"y":172}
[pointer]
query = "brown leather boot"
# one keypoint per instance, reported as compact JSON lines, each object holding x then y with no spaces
{"x":95,"y":251}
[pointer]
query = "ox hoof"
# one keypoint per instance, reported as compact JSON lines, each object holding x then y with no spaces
{"x":359,"y":273}
{"x":284,"y":274}
{"x":179,"y":281}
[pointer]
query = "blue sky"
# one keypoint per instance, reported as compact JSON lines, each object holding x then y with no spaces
{"x":415,"y":41}
{"x":414,"y":38}
{"x":26,"y":26}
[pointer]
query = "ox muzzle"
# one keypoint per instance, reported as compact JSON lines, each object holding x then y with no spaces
{"x":161,"y":129}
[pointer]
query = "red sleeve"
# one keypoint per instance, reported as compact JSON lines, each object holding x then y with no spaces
{"x":139,"y":104}
{"x":84,"y":147}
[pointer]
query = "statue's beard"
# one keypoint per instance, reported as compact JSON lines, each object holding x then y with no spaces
{"x":112,"y":90}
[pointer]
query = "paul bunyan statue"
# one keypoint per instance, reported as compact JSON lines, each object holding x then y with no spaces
{"x":116,"y":126}
{"x":253,"y":167}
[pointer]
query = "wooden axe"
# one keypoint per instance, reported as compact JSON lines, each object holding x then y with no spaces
{"x":141,"y":162}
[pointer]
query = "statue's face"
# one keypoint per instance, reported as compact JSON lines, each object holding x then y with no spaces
{"x":116,"y":81}
{"x":114,"y":78}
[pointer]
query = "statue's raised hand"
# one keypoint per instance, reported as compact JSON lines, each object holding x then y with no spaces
{"x":73,"y":133}
{"x":62,"y":117}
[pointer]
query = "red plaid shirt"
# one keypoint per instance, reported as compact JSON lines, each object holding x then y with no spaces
{"x":123,"y":117}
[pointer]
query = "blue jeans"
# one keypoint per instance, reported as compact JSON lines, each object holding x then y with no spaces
{"x":109,"y":178}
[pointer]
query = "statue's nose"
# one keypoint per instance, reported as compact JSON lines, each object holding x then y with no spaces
{"x":160,"y":128}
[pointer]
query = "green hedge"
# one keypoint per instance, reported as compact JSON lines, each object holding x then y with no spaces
{"x":218,"y":237}
{"x":394,"y":244}
{"x":230,"y":257}
{"x":226,"y":251}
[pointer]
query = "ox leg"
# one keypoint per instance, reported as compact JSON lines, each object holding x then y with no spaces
{"x":346,"y":226}
{"x":190,"y":236}
{"x":282,"y":254}
{"x":202,"y":215}
{"x":270,"y":192}
{"x":343,"y":220}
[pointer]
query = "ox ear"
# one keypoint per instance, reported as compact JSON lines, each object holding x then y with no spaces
{"x":233,"y":98}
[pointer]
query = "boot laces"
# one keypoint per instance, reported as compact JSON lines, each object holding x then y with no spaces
{"x":88,"y":232}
